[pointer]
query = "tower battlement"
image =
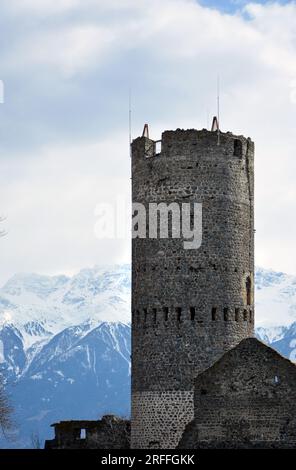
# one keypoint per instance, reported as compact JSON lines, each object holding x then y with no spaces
{"x":191,"y":140}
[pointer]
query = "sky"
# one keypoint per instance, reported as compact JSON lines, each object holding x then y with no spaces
{"x":233,"y":6}
{"x":67,"y":68}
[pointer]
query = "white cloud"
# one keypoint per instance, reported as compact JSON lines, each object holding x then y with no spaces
{"x":48,"y":7}
{"x":69,"y":49}
{"x":41,"y":6}
{"x":52,"y":198}
{"x":170,"y":52}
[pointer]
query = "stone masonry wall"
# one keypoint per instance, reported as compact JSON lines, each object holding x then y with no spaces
{"x":189,"y":306}
{"x":168,"y":411}
{"x":246,"y":400}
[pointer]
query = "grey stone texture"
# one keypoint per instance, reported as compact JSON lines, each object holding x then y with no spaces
{"x":246,"y":400}
{"x":111,"y":432}
{"x":169,"y":411}
{"x":189,"y":306}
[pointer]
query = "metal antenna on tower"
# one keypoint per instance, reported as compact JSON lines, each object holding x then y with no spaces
{"x":130,"y":119}
{"x":218,"y":107}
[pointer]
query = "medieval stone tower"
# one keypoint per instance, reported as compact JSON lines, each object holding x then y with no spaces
{"x":189,"y":306}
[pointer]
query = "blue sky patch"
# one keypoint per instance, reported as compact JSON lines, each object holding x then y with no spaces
{"x":231,"y":6}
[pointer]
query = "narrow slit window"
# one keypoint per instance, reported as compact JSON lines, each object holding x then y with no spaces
{"x":214,"y":313}
{"x":245,"y":315}
{"x":145,"y":315}
{"x":226,"y":314}
{"x":166,"y":313}
{"x":236,"y":314}
{"x":179,"y":313}
{"x":192,"y":313}
{"x":154,"y":315}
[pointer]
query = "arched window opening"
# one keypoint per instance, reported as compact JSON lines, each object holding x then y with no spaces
{"x":154,"y":445}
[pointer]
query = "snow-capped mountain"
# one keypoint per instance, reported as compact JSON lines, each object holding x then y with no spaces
{"x":65,"y":348}
{"x":43,"y":305}
{"x":78,"y":374}
{"x":275,"y":298}
{"x":276,"y":311}
{"x":65,"y":343}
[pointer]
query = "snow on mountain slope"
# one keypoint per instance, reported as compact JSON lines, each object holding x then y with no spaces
{"x":275,"y":298}
{"x":78,"y":374}
{"x":287,"y":344}
{"x":271,"y":334}
{"x":65,"y":342}
{"x":41,"y":306}
{"x":65,"y":347}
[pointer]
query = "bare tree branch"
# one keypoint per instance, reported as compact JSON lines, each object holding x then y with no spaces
{"x":2,"y":232}
{"x":5,"y":407}
{"x":5,"y":410}
{"x":35,"y":440}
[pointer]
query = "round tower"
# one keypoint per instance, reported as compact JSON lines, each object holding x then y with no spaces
{"x":189,"y":305}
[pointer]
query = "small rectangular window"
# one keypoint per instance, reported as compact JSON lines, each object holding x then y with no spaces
{"x":192,"y":313}
{"x":238,"y":148}
{"x":154,"y":315}
{"x":245,"y":315}
{"x":236,"y":314}
{"x":158,"y":146}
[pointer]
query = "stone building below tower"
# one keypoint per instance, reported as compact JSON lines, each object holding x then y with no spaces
{"x":245,"y":400}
